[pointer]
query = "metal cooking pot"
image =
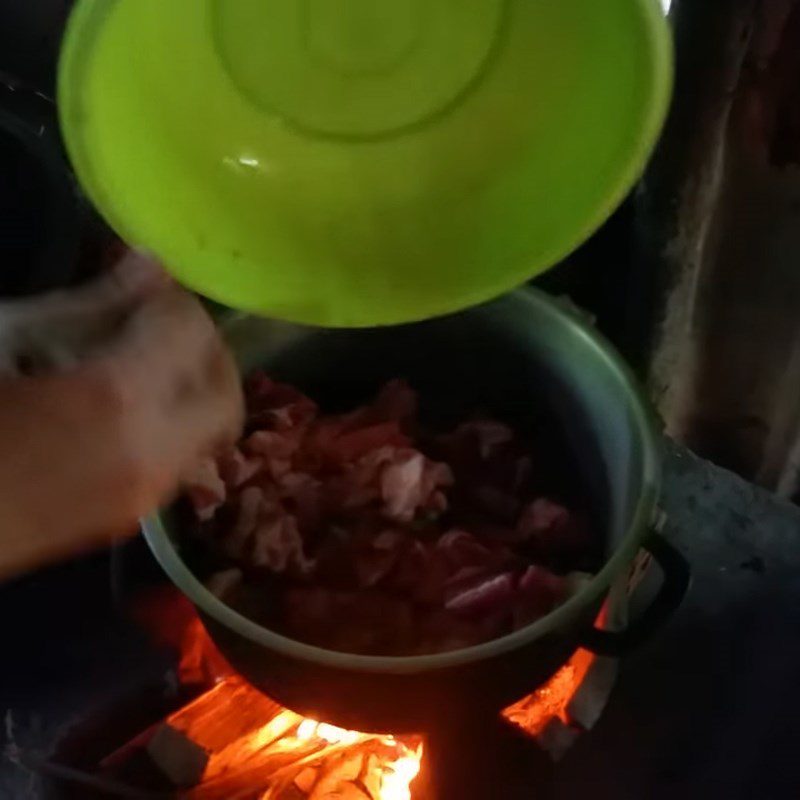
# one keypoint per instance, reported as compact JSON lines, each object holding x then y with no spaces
{"x":531,"y":362}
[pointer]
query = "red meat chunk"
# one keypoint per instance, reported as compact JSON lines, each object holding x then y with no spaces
{"x":553,"y":529}
{"x":205,"y":489}
{"x":489,"y":596}
{"x":236,"y":469}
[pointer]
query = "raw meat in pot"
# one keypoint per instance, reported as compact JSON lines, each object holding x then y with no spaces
{"x":370,"y":534}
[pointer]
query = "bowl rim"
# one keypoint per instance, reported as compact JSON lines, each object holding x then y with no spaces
{"x":643,"y":427}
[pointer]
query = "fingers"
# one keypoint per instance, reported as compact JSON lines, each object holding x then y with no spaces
{"x":212,"y":418}
{"x":133,"y":278}
{"x":130,"y":281}
{"x":184,"y":393}
{"x":167,"y":334}
{"x":225,"y":383}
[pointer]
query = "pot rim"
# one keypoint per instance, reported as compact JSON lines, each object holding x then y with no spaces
{"x":166,"y":553}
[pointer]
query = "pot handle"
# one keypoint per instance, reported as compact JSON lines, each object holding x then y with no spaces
{"x":677,"y":578}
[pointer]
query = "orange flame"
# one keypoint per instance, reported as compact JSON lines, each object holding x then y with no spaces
{"x":255,"y":743}
{"x":283,"y":753}
{"x":201,"y":662}
{"x":551,"y":701}
{"x":291,"y":753}
{"x":394,"y":777}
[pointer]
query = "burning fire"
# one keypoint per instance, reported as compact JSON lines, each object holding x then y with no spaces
{"x":390,"y":779}
{"x":293,"y":757}
{"x":551,"y":701}
{"x":250,"y":748}
{"x":282,"y":755}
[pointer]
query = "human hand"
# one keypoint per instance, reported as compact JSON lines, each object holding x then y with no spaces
{"x":125,"y":407}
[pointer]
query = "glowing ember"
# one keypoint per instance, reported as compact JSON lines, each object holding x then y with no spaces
{"x":270,"y":753}
{"x":385,"y":778}
{"x":534,"y":713}
{"x":332,"y":762}
{"x":201,"y":662}
{"x":397,"y":778}
{"x":257,"y":750}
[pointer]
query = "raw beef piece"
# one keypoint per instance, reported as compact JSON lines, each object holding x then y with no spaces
{"x":351,"y":445}
{"x":490,"y":596}
{"x":539,"y":592}
{"x":205,"y":489}
{"x":236,"y":469}
{"x":376,"y":559}
{"x":237,"y":538}
{"x":278,"y":546}
{"x":409,"y":482}
{"x":553,"y":529}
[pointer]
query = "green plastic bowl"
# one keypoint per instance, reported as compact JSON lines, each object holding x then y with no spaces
{"x":361,"y":162}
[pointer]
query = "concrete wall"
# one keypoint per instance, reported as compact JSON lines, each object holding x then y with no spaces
{"x":720,"y":225}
